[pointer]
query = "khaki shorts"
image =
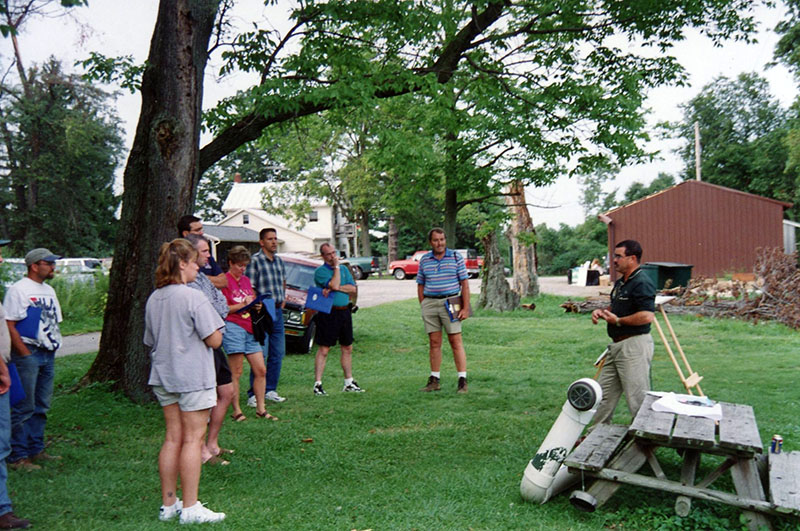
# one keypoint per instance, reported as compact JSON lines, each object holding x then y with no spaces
{"x":434,"y":315}
{"x":194,"y":401}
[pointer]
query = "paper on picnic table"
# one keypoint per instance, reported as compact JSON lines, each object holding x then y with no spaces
{"x":693,"y":406}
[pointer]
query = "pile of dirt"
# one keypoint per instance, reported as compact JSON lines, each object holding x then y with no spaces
{"x":773,"y":295}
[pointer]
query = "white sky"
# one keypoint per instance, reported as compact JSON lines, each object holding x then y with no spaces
{"x":124,"y":28}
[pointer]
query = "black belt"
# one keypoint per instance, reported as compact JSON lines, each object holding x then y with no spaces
{"x":624,"y":337}
{"x":340,"y":307}
{"x":440,"y":296}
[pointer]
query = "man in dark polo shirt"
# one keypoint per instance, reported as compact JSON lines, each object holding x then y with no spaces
{"x":627,"y":364}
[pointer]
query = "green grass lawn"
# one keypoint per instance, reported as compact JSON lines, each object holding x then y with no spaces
{"x":395,"y":458}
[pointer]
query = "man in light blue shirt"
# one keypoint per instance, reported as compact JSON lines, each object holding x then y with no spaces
{"x":443,"y":274}
{"x":336,"y":279}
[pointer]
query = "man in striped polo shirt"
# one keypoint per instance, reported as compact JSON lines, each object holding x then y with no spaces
{"x":442,"y":274}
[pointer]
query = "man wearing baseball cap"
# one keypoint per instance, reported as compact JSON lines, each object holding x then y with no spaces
{"x":8,"y":520}
{"x":33,"y":314}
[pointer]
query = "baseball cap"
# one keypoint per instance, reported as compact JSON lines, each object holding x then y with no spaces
{"x":4,"y":242}
{"x":40,"y":254}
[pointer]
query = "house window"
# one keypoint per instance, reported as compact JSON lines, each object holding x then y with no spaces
{"x":313,"y":216}
{"x":245,"y":219}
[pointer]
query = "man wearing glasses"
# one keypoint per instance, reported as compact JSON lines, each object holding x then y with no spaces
{"x":337,"y":326}
{"x":627,"y":363}
{"x":32,"y":315}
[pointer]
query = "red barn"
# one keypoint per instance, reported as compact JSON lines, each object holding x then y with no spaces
{"x":716,"y":229}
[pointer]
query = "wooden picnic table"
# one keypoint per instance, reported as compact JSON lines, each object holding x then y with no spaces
{"x":613,"y":455}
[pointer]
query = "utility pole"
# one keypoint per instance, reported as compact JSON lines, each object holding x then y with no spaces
{"x":697,"y":150}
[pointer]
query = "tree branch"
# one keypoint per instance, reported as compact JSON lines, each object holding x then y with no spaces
{"x":250,"y":127}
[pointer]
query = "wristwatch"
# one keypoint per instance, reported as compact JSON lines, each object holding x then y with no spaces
{"x":617,"y":322}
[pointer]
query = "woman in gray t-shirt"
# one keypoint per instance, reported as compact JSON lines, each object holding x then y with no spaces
{"x":181,"y":329}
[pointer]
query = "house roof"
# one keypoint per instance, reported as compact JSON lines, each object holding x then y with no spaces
{"x":784,"y":204}
{"x":279,"y":223}
{"x":248,"y":195}
{"x":231,"y":234}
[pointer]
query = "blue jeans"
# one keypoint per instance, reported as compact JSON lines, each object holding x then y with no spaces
{"x":29,"y":416}
{"x":5,"y":449}
{"x":274,"y":349}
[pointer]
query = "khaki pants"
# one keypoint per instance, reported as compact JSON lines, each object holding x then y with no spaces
{"x":627,"y":370}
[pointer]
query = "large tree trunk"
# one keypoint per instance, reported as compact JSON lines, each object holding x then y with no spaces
{"x":160,"y":181}
{"x":450,"y":214}
{"x":522,"y":234}
{"x":363,"y":221}
{"x":495,"y":292}
{"x":391,"y":241}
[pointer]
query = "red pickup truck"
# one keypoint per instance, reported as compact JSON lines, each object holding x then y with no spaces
{"x":472,"y":261}
{"x":409,"y":267}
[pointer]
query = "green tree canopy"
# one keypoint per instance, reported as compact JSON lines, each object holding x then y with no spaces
{"x":743,"y":131}
{"x":61,"y":144}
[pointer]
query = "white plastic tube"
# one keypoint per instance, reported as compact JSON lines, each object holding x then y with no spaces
{"x":545,"y":476}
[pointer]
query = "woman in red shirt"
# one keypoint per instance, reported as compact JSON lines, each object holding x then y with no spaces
{"x":238,"y":340}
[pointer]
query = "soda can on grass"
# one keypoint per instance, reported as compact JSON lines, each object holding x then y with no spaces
{"x":777,"y":444}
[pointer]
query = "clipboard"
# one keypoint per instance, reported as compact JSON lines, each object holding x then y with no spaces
{"x":29,"y":327}
{"x":453,"y":306}
{"x":258,"y":299}
{"x":316,"y":301}
{"x":269,"y":306}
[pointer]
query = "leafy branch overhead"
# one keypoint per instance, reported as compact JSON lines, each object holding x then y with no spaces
{"x":574,"y":94}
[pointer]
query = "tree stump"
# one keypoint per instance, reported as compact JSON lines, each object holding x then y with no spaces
{"x":495,"y":292}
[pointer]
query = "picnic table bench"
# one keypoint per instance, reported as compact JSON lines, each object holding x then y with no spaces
{"x":613,"y":455}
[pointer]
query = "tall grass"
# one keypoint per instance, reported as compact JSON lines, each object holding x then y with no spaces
{"x":83,"y":302}
{"x":395,"y":458}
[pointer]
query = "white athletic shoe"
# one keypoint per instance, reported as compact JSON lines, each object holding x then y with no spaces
{"x":352,"y":388}
{"x":274,"y":396}
{"x":168,"y":513}
{"x":199,"y":514}
{"x":251,"y":401}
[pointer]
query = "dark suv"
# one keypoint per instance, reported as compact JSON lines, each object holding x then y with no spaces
{"x":300,"y":323}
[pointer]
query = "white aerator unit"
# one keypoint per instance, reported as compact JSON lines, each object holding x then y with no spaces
{"x":545,"y":476}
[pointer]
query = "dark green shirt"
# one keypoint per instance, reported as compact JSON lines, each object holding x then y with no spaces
{"x":628,"y":297}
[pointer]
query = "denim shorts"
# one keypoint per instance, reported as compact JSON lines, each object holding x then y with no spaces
{"x":237,"y":340}
{"x":193,"y":401}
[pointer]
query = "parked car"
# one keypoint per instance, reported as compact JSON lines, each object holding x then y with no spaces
{"x":361,"y":266}
{"x":472,"y":261}
{"x":407,"y":268}
{"x":300,"y":323}
{"x":78,"y":269}
{"x":12,"y":270}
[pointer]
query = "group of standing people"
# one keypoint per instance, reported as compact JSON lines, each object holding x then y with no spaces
{"x":199,"y":330}
{"x":200,"y":327}
{"x":201,"y":324}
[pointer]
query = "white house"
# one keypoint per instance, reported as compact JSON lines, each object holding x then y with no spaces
{"x":242,"y":208}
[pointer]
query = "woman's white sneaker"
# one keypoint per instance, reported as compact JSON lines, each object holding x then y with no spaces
{"x":168,"y":513}
{"x":199,"y":514}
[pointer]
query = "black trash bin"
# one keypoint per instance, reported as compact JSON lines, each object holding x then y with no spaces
{"x":661,"y":273}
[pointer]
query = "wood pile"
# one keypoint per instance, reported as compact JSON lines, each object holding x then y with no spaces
{"x":773,"y":296}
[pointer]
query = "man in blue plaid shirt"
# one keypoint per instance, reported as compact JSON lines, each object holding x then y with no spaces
{"x":267,"y":274}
